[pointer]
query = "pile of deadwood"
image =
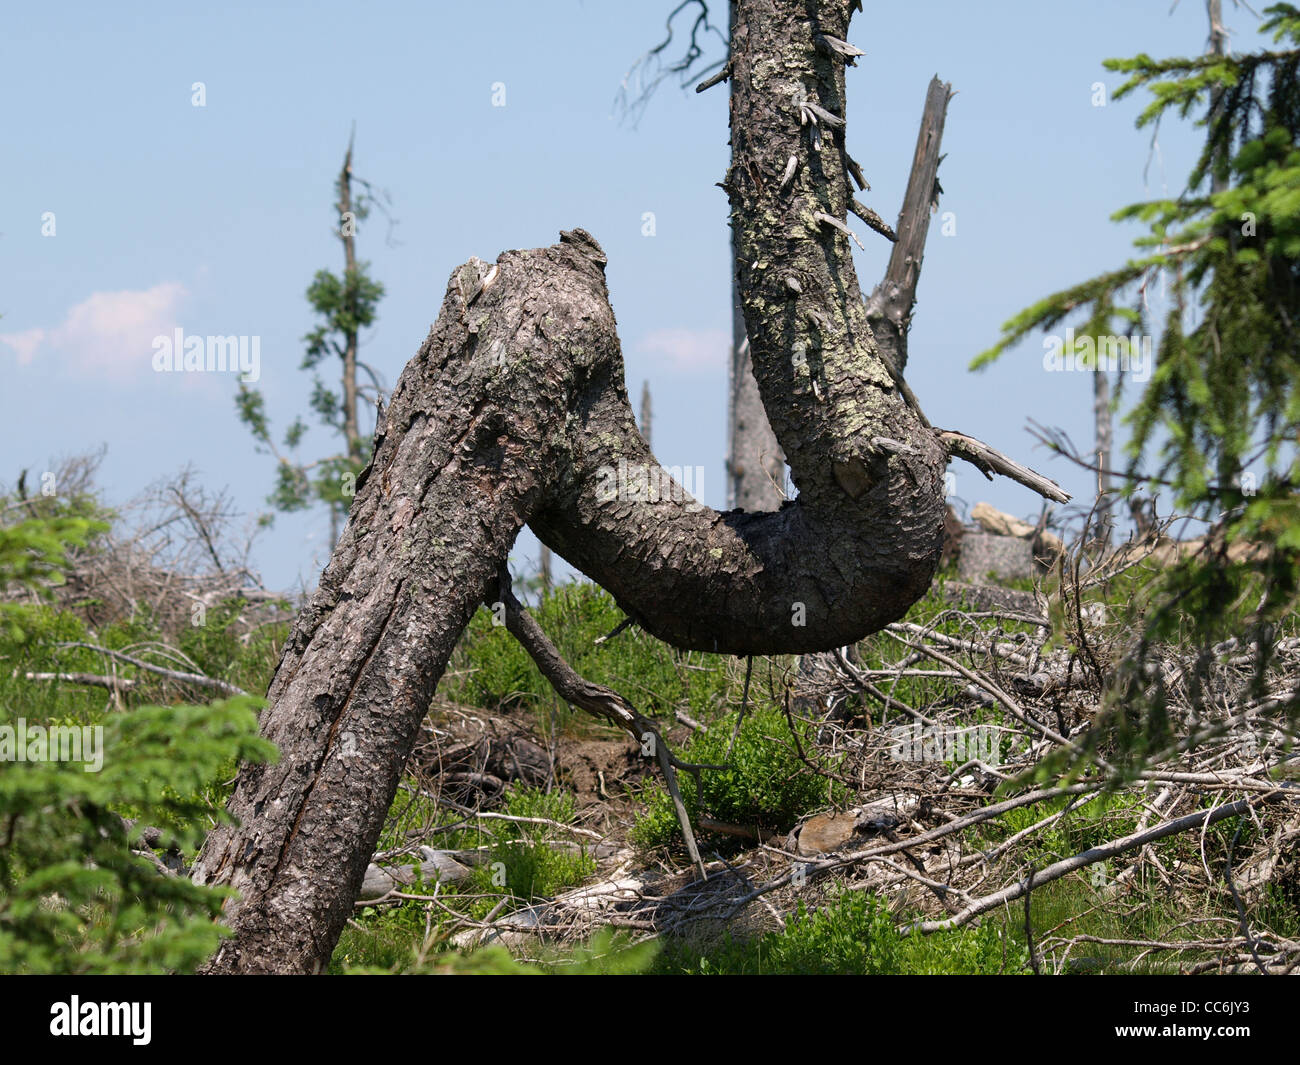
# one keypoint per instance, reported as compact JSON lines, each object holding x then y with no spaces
{"x":175,"y":556}
{"x":925,"y":789}
{"x":922,"y":793}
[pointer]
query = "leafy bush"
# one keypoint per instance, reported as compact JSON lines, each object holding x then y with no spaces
{"x":764,"y":785}
{"x":33,"y":554}
{"x":73,"y":896}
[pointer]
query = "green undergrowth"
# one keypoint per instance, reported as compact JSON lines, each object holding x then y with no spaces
{"x":518,"y":863}
{"x":73,"y":898}
{"x":489,"y":668}
{"x":854,"y":933}
{"x":764,"y":784}
{"x":76,"y":893}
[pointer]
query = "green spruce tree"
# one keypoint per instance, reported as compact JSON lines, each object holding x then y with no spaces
{"x":1217,"y":424}
{"x":80,"y":890}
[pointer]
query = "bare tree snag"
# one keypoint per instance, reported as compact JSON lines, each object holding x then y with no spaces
{"x":890,"y":307}
{"x":1102,"y":420}
{"x":755,"y":465}
{"x":544,"y":566}
{"x":647,"y":413}
{"x":351,"y":426}
{"x":514,"y":411}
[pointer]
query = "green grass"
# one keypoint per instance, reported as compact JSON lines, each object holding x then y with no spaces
{"x":853,"y":934}
{"x":490,"y":670}
{"x":524,"y":863}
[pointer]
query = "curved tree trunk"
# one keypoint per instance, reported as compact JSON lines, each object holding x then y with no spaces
{"x":514,"y":411}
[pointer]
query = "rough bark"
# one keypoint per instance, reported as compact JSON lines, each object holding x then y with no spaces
{"x":515,"y":411}
{"x":861,"y":541}
{"x":819,"y":684}
{"x":755,"y":465}
{"x":474,"y":430}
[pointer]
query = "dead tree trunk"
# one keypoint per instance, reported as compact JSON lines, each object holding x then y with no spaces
{"x":351,"y":424}
{"x":469,"y":440}
{"x":647,"y":413}
{"x":514,"y":411}
{"x":1104,"y":431}
{"x":755,"y":465}
{"x":890,"y":307}
{"x":820,"y":684}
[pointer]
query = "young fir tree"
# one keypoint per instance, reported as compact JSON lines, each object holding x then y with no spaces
{"x":346,"y":305}
{"x":1217,"y":424}
{"x":79,"y":892}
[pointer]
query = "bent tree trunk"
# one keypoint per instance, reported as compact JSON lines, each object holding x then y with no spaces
{"x":514,"y":412}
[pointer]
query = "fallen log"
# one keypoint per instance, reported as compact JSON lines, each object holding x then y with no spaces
{"x":443,"y":867}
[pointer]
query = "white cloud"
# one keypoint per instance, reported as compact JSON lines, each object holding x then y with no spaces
{"x":24,"y":343}
{"x":687,"y":350}
{"x":109,"y":334}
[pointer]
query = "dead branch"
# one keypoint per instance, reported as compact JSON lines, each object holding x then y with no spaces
{"x":1111,"y":849}
{"x":990,"y":461}
{"x":598,"y":700}
{"x":196,"y":679}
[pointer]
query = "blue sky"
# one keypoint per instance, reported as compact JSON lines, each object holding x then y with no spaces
{"x":213,"y":219}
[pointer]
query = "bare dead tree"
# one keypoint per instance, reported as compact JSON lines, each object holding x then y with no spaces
{"x":890,"y":307}
{"x":755,"y":465}
{"x":514,"y":411}
{"x":647,"y":413}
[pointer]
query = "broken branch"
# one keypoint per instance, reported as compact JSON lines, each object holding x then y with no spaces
{"x":990,"y":461}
